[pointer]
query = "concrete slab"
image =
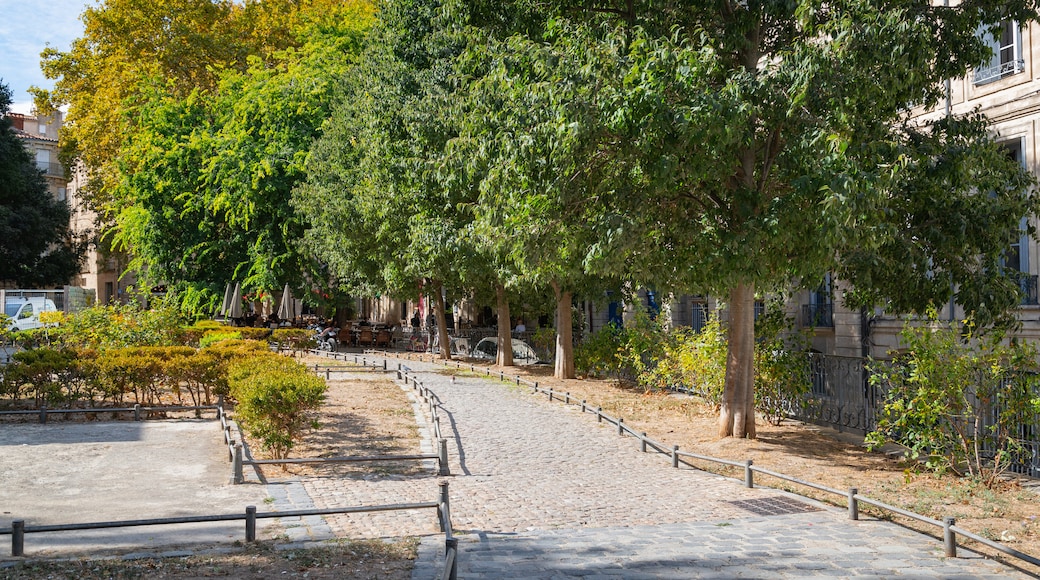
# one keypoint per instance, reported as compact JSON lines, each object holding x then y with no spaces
{"x":61,"y":473}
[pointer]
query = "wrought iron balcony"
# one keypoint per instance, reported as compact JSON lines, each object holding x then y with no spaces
{"x":998,"y":71}
{"x":818,"y":315}
{"x":1029,"y":290}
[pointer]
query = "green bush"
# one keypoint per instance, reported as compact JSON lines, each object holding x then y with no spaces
{"x":118,"y":326}
{"x":40,"y":374}
{"x":217,"y":335}
{"x":598,"y":355}
{"x":275,"y":397}
{"x":958,"y":401}
{"x":296,"y":339}
{"x":782,"y":369}
{"x":695,"y":359}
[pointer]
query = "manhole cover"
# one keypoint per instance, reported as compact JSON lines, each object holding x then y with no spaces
{"x":774,"y":506}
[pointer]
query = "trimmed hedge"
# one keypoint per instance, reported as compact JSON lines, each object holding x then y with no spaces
{"x":275,"y":399}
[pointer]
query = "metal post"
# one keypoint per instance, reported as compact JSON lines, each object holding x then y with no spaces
{"x":237,"y":475}
{"x":250,"y":523}
{"x":583,"y":405}
{"x":675,"y":456}
{"x":550,"y":395}
{"x":749,"y":475}
{"x":43,"y":414}
{"x":328,"y":373}
{"x":384,"y":364}
{"x":137,"y":412}
{"x":518,"y":380}
{"x":18,"y":538}
{"x":949,"y":537}
{"x":567,"y":397}
{"x":621,"y":426}
{"x":642,"y":442}
{"x":599,"y":414}
{"x":853,"y":504}
{"x":452,"y":544}
{"x":445,"y":508}
{"x":443,"y":456}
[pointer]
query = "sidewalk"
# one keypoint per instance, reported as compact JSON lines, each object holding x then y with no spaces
{"x":540,"y":490}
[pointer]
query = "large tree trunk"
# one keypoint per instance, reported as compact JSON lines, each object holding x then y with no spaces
{"x":505,"y":337}
{"x":564,"y":334}
{"x":442,"y":323}
{"x":737,"y":416}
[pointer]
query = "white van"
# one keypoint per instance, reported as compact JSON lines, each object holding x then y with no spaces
{"x":24,"y":313}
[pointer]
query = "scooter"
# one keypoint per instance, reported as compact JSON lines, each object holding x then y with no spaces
{"x":327,"y":338}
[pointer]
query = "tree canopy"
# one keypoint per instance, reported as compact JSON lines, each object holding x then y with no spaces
{"x":37,"y":248}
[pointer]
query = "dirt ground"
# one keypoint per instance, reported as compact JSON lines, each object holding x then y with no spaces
{"x":370,"y":417}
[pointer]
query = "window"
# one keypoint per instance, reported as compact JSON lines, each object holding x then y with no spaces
{"x":1016,"y":257}
{"x":43,"y":159}
{"x":1005,"y":42}
{"x":62,"y":194}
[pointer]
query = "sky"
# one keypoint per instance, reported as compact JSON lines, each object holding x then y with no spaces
{"x":26,"y":28}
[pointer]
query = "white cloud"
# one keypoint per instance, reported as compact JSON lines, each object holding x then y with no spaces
{"x":27,"y":27}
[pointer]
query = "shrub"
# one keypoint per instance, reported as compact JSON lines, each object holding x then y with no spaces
{"x":696,"y":359}
{"x":118,"y":326}
{"x":217,"y":335}
{"x":597,"y":355}
{"x":296,"y":339}
{"x":782,"y":369}
{"x":958,"y":401}
{"x":274,"y":399}
{"x":41,"y":374}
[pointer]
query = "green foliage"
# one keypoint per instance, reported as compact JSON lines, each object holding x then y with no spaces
{"x":296,"y":339}
{"x":275,"y":397}
{"x":41,"y":374}
{"x":598,"y":355}
{"x":36,"y":243}
{"x":782,"y":365}
{"x":957,"y":401}
{"x":697,"y":360}
{"x":213,"y":336}
{"x":643,"y":345}
{"x":116,"y":326}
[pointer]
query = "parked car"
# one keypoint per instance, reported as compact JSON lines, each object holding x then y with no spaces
{"x":523,"y":354}
{"x":24,"y":313}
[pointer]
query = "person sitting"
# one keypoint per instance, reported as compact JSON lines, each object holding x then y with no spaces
{"x":520,"y":326}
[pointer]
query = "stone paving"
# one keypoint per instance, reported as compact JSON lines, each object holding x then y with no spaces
{"x":540,"y":490}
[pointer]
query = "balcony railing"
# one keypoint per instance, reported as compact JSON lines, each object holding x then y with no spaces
{"x":1029,"y":290}
{"x":818,"y":315}
{"x":51,"y":169}
{"x":999,"y":71}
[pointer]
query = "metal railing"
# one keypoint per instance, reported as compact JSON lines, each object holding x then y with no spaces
{"x":137,"y":410}
{"x":998,"y":71}
{"x":852,"y":495}
{"x":818,"y":315}
{"x":19,"y":529}
{"x":1028,"y":285}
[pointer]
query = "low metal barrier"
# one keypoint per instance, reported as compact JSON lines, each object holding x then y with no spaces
{"x":19,"y":529}
{"x":137,"y":410}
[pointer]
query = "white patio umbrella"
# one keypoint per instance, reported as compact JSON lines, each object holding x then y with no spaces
{"x":285,"y":308}
{"x":235,"y":308}
{"x":229,"y":293}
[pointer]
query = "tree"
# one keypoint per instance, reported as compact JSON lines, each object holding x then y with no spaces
{"x":37,"y":248}
{"x":385,"y":219}
{"x":206,"y":178}
{"x":762,"y":143}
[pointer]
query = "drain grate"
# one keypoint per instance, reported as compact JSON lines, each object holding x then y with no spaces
{"x":774,"y":506}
